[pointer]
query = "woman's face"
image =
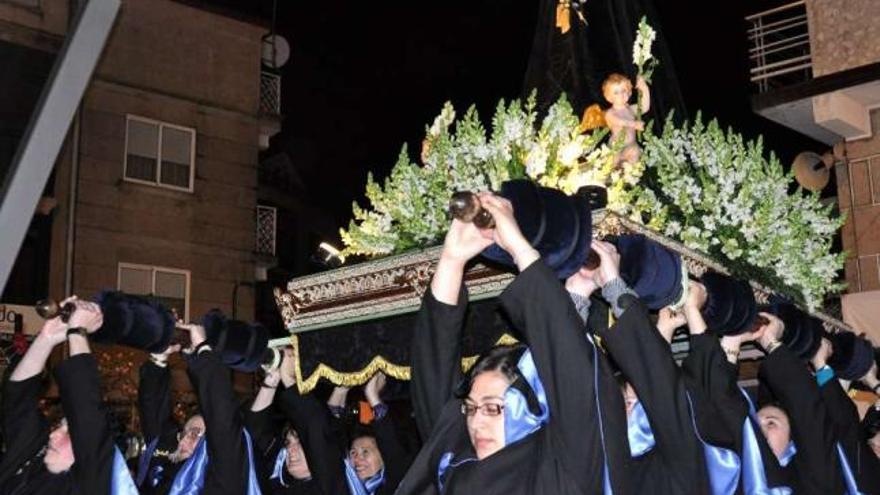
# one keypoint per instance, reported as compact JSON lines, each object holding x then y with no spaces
{"x":365,"y":457}
{"x":776,"y":428}
{"x":484,"y":410}
{"x":297,"y":466}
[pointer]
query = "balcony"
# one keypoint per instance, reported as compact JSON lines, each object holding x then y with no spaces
{"x":270,"y":107}
{"x":779,"y":51}
{"x":266,"y":229}
{"x":830,"y":108}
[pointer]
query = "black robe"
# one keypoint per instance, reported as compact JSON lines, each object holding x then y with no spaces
{"x":324,"y":444}
{"x":22,"y":471}
{"x":814,"y":468}
{"x":563,"y":457}
{"x":227,"y":469}
{"x":845,"y":416}
{"x":676,"y":464}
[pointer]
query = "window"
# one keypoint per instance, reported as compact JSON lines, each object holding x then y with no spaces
{"x":159,"y":153}
{"x":168,"y":286}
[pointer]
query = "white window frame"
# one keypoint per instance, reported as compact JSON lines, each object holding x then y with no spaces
{"x":160,"y":124}
{"x":153,"y":269}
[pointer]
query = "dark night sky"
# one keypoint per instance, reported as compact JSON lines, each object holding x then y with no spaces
{"x":366,"y":77}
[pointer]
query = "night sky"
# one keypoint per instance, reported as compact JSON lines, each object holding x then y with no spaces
{"x":366,"y":77}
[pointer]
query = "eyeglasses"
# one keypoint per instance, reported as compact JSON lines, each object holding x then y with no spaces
{"x":488,"y":409}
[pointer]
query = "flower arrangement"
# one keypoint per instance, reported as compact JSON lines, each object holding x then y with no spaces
{"x":707,"y":188}
{"x":409,"y":209}
{"x":718,"y":194}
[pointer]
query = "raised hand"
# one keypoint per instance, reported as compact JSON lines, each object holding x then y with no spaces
{"x":373,"y":388}
{"x":287,"y":370}
{"x":507,"y":233}
{"x":582,"y":282}
{"x":197,"y":334}
{"x":668,"y":321}
{"x":771,"y":332}
{"x":464,"y":241}
{"x":54,"y":330}
{"x":87,"y":315}
{"x":609,"y":265}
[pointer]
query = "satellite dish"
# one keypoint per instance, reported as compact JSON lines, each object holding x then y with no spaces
{"x":812,"y":170}
{"x":276,"y":51}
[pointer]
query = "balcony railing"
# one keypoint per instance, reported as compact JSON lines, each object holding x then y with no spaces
{"x":270,"y":93}
{"x":266,"y":229}
{"x":779,"y":47}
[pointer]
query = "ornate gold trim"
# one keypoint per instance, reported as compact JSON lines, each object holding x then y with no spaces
{"x":360,"y":377}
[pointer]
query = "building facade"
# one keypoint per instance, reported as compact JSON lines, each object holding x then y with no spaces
{"x":816,"y":69}
{"x":155,"y":190}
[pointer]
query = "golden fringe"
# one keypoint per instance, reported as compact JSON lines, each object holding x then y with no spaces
{"x":356,"y":378}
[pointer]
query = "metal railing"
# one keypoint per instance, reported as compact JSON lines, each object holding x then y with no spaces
{"x":779,"y":47}
{"x":266,"y":229}
{"x":270,"y":93}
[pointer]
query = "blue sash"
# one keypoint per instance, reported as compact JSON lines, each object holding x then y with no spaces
{"x":365,"y":487}
{"x":722,"y":465}
{"x":446,"y":462}
{"x":191,"y":478}
{"x":121,"y":482}
{"x":638,"y":430}
{"x":849,"y":477}
{"x":519,"y":422}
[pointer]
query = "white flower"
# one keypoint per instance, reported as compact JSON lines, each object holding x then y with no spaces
{"x":443,"y":121}
{"x":642,"y":45}
{"x":536,"y":161}
{"x":571,"y":151}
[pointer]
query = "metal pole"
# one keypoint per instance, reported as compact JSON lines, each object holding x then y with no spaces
{"x":49,"y":124}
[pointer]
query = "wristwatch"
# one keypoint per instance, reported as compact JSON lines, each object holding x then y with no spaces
{"x":77,"y":331}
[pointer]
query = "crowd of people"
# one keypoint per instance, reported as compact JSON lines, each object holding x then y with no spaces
{"x":575,"y":408}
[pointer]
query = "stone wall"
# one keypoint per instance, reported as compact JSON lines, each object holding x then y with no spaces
{"x":858,"y":192}
{"x":844,"y":34}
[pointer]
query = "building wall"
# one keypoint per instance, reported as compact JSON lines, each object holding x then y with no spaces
{"x":858,"y":192}
{"x":844,"y":34}
{"x":39,"y":24}
{"x":177,"y":64}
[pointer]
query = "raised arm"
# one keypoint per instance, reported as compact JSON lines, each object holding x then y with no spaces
{"x":542,"y":310}
{"x":812,"y":429}
{"x":258,"y":418}
{"x":394,"y":455}
{"x":311,"y":419}
{"x":80,"y":386}
{"x":647,"y":363}
{"x":436,"y":343}
{"x":154,"y":398}
{"x":228,"y":461}
{"x":25,"y":430}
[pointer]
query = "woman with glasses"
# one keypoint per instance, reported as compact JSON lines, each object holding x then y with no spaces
{"x":527,"y":419}
{"x":211,"y":453}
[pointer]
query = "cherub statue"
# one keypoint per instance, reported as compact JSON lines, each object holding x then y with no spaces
{"x":624,"y":119}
